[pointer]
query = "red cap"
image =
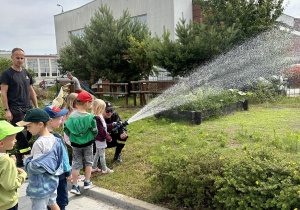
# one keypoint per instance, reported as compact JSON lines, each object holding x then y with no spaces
{"x":84,"y":97}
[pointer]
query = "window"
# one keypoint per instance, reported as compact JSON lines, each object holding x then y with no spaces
{"x":44,"y":67}
{"x":142,"y":18}
{"x":54,"y":67}
{"x":162,"y":75}
{"x":78,"y":33}
{"x":32,"y":63}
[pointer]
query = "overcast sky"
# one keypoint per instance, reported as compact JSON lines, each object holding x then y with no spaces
{"x":29,"y":24}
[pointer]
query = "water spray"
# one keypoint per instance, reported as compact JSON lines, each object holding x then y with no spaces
{"x":263,"y":56}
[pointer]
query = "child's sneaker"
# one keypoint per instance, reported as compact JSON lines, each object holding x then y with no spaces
{"x":107,"y":171}
{"x":95,"y":170}
{"x":87,"y":185}
{"x":75,"y":190}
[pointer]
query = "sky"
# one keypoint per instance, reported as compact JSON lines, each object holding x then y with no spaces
{"x":29,"y":24}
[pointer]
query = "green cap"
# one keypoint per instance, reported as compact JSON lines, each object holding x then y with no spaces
{"x":7,"y":129}
{"x":34,"y":115}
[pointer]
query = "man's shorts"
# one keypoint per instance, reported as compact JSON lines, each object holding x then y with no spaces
{"x":42,"y":203}
{"x":79,"y":153}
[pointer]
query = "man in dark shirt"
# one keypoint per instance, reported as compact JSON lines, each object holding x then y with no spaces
{"x":16,"y":93}
{"x":119,"y":136}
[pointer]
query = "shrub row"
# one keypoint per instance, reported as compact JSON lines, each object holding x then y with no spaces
{"x":256,"y":178}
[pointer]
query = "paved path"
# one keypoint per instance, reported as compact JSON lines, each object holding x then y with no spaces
{"x":76,"y":202}
{"x":93,"y":198}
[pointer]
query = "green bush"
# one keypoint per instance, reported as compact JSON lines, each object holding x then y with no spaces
{"x":257,"y":177}
{"x":186,"y":180}
{"x":264,"y":92}
{"x":261,"y":178}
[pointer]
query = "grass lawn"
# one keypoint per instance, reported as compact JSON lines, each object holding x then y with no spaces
{"x":150,"y":138}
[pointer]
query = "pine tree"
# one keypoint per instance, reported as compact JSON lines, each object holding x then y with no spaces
{"x":226,"y":23}
{"x":101,"y":50}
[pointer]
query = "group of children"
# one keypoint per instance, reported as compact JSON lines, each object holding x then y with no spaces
{"x":48,"y":165}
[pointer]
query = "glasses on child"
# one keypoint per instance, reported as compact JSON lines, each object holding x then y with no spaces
{"x":108,"y":111}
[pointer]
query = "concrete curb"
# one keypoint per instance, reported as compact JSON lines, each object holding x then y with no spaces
{"x":116,"y":199}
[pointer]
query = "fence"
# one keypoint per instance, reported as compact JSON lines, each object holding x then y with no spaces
{"x":149,"y":87}
{"x":100,"y":91}
{"x":293,"y":92}
{"x":141,"y":88}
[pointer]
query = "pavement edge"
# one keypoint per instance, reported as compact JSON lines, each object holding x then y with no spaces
{"x":116,"y":199}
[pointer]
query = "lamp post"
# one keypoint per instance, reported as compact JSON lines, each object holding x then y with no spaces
{"x":62,"y":9}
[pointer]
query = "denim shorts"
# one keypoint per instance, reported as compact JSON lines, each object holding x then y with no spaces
{"x":79,"y":153}
{"x":42,"y":203}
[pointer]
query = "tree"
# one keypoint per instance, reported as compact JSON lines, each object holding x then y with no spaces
{"x":249,"y":17}
{"x":139,"y":57}
{"x":32,"y":73}
{"x":72,"y":59}
{"x":103,"y":47}
{"x":194,"y":46}
{"x":5,"y":63}
{"x":226,"y":23}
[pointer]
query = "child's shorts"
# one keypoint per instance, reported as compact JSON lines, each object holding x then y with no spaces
{"x":80,"y":152}
{"x":42,"y":203}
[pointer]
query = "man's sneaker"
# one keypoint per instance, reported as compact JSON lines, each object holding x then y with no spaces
{"x":95,"y":170}
{"x":87,"y":185}
{"x":108,"y":171}
{"x":75,"y":190}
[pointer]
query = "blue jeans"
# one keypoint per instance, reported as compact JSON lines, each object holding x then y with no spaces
{"x":14,"y":208}
{"x":62,"y":198}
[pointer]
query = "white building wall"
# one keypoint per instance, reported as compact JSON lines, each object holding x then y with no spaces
{"x":160,"y":14}
{"x":287,"y":20}
{"x":182,"y":9}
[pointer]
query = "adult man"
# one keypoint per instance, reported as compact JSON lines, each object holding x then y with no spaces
{"x":16,"y":93}
{"x":119,"y":136}
{"x":76,"y":82}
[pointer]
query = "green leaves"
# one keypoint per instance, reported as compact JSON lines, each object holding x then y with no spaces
{"x":101,"y":52}
{"x":5,"y":63}
{"x":226,"y":23}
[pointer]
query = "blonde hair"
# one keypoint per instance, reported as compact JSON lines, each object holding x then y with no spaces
{"x":71,"y":102}
{"x":98,"y":107}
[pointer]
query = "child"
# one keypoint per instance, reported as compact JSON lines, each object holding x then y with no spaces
{"x":81,"y":128}
{"x":100,"y":140}
{"x":11,"y":177}
{"x":56,"y":115}
{"x":71,"y":106}
{"x":45,"y":163}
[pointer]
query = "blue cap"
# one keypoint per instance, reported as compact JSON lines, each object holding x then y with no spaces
{"x":54,"y":111}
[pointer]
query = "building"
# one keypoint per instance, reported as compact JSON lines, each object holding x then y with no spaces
{"x":45,"y":66}
{"x":156,"y":13}
{"x":5,"y":54}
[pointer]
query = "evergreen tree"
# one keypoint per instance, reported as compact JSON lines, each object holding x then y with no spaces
{"x":225,"y":24}
{"x":194,"y":46}
{"x":72,"y":58}
{"x":100,"y":52}
{"x":5,"y":63}
{"x":249,"y":17}
{"x":138,"y":56}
